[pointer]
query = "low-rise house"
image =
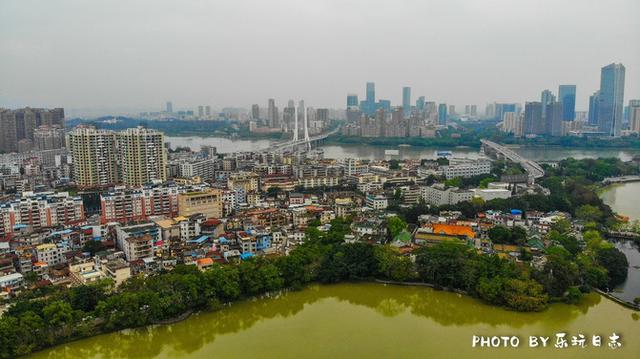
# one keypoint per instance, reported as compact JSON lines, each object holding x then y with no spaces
{"x":509,"y":251}
{"x":139,"y":240}
{"x":50,"y":253}
{"x":377,"y":201}
{"x":439,"y":195}
{"x":460,"y":167}
{"x":11,"y":281}
{"x":85,"y":272}
{"x":488,"y":194}
{"x":440,"y":232}
{"x":204,"y":263}
{"x":117,"y":269}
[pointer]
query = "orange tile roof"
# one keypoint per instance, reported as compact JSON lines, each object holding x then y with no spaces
{"x":453,"y":230}
{"x":204,"y":261}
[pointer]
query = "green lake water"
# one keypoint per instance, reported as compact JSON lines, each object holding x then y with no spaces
{"x":366,"y":321}
{"x":624,"y":199}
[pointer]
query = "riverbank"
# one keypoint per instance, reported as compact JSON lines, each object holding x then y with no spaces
{"x":267,"y":299}
{"x":436,"y":142}
{"x":455,"y":143}
{"x":622,"y":302}
{"x":353,"y":317}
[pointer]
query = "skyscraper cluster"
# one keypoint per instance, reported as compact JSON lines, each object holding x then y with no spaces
{"x":17,"y":127}
{"x":371,"y":118}
{"x":556,"y":115}
{"x":291,"y":118}
{"x":102,"y":158}
{"x":547,"y":117}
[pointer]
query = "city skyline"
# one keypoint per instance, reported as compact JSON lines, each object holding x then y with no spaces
{"x":106,"y":58}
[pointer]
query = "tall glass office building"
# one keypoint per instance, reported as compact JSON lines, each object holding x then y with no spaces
{"x":567,"y":95}
{"x":371,"y":99}
{"x":593,"y":109}
{"x":546,"y":98}
{"x":352,"y":100}
{"x":406,"y":101}
{"x":442,"y":114}
{"x":610,"y":99}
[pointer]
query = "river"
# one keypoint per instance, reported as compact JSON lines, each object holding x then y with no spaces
{"x":623,"y":199}
{"x":365,"y":321}
{"x":226,"y":145}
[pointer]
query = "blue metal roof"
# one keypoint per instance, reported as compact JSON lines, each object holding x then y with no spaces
{"x":245,"y":256}
{"x":200,"y":240}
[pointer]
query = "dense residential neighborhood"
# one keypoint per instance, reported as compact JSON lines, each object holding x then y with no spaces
{"x":124,"y":216}
{"x":224,"y":208}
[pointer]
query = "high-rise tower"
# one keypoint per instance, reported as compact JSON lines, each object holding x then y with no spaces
{"x":567,"y":95}
{"x":406,"y":101}
{"x":370,"y":102}
{"x":610,"y":99}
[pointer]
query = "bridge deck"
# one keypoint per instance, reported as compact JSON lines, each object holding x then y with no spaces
{"x":533,"y":168}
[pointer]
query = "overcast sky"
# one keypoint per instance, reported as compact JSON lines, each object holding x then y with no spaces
{"x":129,"y":54}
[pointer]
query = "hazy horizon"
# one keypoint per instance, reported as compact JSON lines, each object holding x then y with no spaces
{"x":118,"y":55}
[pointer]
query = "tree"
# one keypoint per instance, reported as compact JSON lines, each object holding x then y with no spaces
{"x":396,"y":225}
{"x":293,"y":270}
{"x":616,"y":264}
{"x":93,"y":247}
{"x":442,"y":264}
{"x":397,"y":195}
{"x":570,"y":243}
{"x":574,"y":295}
{"x":478,"y":203}
{"x":518,"y":235}
{"x":454,"y":182}
{"x":442,"y":161}
{"x":525,"y":255}
{"x":31,"y":277}
{"x":500,"y":234}
{"x":589,"y":213}
{"x":559,"y":273}
{"x":58,"y":313}
{"x":273,"y":191}
{"x":562,"y":226}
{"x":491,"y":290}
{"x":594,"y":240}
{"x":394,"y":164}
{"x":222,"y":283}
{"x":391,"y":265}
{"x":484,"y":183}
{"x":524,"y":295}
{"x":87,"y":297}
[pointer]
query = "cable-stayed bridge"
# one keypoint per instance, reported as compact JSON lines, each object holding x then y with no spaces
{"x":295,"y":144}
